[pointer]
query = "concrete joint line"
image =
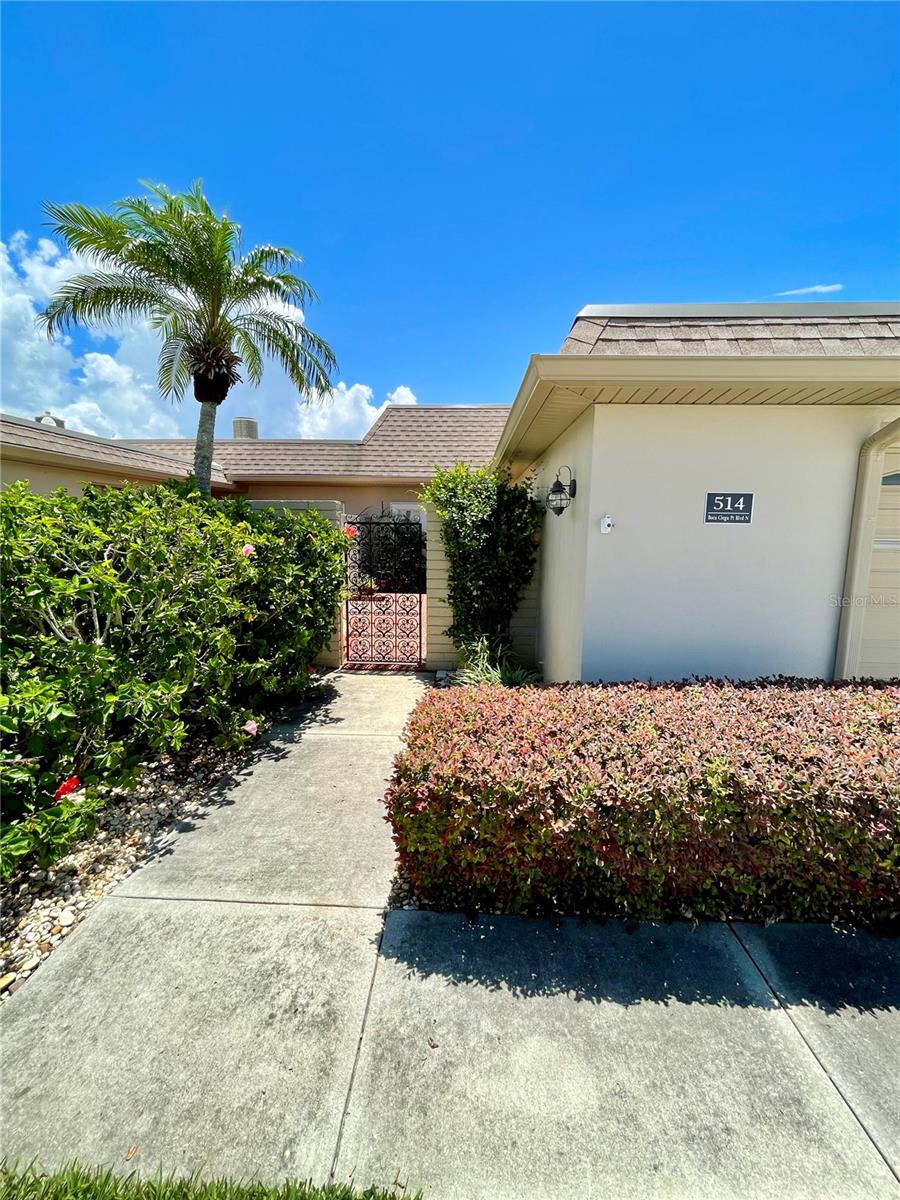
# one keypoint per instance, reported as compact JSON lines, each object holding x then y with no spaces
{"x":258,"y":903}
{"x":822,"y":1067}
{"x":362,"y":1033}
{"x":337,"y":735}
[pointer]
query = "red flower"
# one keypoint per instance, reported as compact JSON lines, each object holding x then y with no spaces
{"x":351,"y":531}
{"x":72,"y":784}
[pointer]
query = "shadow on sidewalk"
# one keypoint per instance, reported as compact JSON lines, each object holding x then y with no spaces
{"x":273,"y":746}
{"x":831,"y":968}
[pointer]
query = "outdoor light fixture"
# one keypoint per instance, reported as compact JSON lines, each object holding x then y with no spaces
{"x":561,"y":495}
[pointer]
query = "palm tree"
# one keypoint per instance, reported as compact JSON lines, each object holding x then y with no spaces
{"x":170,"y":259}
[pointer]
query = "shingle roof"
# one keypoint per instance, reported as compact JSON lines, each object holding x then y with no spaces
{"x":406,"y":442}
{"x":774,"y":329}
{"x":22,"y":438}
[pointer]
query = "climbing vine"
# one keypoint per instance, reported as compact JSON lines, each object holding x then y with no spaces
{"x":488,"y":529}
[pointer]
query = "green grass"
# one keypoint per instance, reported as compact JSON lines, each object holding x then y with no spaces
{"x":87,"y":1183}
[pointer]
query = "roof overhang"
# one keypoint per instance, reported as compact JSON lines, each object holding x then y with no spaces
{"x":55,"y":458}
{"x":139,"y":471}
{"x":557,"y":388}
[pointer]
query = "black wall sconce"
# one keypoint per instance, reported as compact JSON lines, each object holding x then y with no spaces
{"x":561,"y":494}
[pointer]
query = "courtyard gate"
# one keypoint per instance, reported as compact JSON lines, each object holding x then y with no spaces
{"x":386,"y":583}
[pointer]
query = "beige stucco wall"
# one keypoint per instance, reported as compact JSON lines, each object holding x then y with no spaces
{"x":667,"y":596}
{"x":44,"y":478}
{"x":356,"y":500}
{"x":563,"y":554}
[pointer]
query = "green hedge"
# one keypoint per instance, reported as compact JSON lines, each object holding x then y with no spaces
{"x":133,"y":615}
{"x":766,"y":800}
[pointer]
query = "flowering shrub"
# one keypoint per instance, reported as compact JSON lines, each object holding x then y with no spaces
{"x":72,"y":784}
{"x":288,"y":599}
{"x":774,"y":799}
{"x":132,"y":615}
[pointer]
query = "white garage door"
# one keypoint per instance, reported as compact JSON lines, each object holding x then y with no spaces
{"x":879,"y":654}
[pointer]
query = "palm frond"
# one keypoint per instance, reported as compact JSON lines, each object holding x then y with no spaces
{"x":253,"y":291}
{"x":250,"y":353}
{"x":171,"y":259}
{"x":305,"y":358}
{"x":173,"y":374}
{"x":99,"y":300}
{"x":87,"y":230}
{"x":270,"y":258}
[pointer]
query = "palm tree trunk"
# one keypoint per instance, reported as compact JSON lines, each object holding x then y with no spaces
{"x":203,"y":447}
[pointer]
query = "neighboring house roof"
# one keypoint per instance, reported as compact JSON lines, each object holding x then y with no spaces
{"x":736,"y":329}
{"x":21,"y":438}
{"x":407,"y":442}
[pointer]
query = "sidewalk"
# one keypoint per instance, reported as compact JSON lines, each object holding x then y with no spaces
{"x":228,"y":1010}
{"x":208,"y":1011}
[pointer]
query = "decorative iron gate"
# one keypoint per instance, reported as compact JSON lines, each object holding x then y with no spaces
{"x":386,"y":582}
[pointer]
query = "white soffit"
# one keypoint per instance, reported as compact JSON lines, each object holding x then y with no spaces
{"x":556,"y":388}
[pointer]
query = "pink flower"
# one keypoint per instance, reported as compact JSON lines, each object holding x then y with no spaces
{"x":248,"y":550}
{"x":250,"y":727}
{"x":72,"y":784}
{"x":351,"y":531}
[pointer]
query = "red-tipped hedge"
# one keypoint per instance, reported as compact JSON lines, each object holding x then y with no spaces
{"x":771,"y":799}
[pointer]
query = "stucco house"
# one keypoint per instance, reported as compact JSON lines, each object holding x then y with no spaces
{"x":722,"y":481}
{"x":737,"y":501}
{"x":47,"y":455}
{"x":383,"y":471}
{"x":365,"y":481}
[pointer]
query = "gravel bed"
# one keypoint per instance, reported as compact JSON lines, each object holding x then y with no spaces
{"x":41,"y":908}
{"x":402,"y":894}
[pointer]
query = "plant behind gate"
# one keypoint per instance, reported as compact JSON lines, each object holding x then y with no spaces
{"x":488,"y":529}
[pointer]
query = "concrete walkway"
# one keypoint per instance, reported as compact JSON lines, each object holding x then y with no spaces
{"x":239,"y":1007}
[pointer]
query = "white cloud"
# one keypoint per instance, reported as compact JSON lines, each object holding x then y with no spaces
{"x":113,"y":395}
{"x":814,"y":289}
{"x":347,"y":412}
{"x":110,"y":388}
{"x":402,"y":395}
{"x":42,"y":269}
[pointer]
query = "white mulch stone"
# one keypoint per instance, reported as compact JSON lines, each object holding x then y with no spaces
{"x":41,"y":908}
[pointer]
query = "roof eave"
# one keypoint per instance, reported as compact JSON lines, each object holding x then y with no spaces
{"x":10,"y":452}
{"x":14,"y":453}
{"x":546,"y":371}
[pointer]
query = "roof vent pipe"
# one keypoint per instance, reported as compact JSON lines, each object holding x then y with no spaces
{"x":245,"y":427}
{"x":47,"y":418}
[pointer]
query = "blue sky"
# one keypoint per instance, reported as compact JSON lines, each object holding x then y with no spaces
{"x":460,"y":178}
